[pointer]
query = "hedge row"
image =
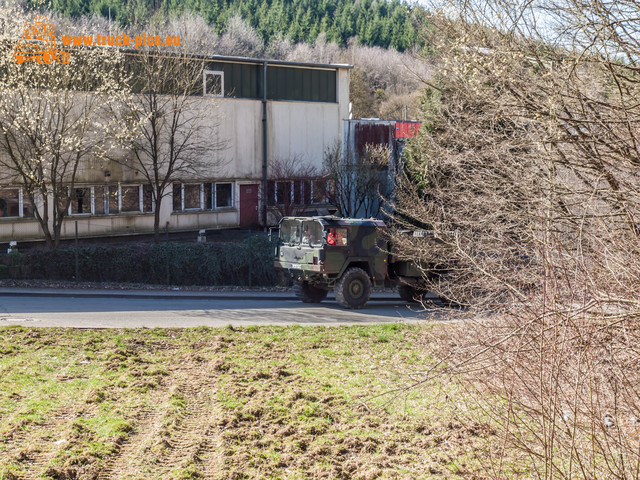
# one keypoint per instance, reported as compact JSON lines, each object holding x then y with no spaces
{"x":249,"y":262}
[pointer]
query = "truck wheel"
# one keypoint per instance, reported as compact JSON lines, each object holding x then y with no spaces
{"x":410,"y":294}
{"x":308,"y":293}
{"x":354,"y":288}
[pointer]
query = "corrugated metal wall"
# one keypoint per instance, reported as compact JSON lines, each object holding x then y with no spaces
{"x":362,"y":132}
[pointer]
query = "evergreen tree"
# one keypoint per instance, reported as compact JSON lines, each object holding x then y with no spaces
{"x":374,"y":22}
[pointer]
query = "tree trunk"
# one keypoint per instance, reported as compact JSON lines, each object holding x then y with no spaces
{"x":156,"y":220}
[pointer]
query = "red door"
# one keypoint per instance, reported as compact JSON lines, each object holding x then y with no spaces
{"x":249,"y":205}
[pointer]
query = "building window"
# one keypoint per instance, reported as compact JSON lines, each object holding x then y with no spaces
{"x":271,"y":193}
{"x":130,"y":198}
{"x":148,"y":205}
{"x":202,"y":196}
{"x":296,"y":192}
{"x":192,"y":196}
{"x":279,"y":192}
{"x":106,"y":199}
{"x":302,"y":192}
{"x":80,"y":201}
{"x":15,"y":203}
{"x":283,"y":193}
{"x":187,"y":196}
{"x":112,"y":202}
{"x":99,"y":203}
{"x":209,"y":196}
{"x":212,"y":83}
{"x":9,"y":202}
{"x":97,"y":200}
{"x":319,"y":194}
{"x":27,"y":206}
{"x":177,"y":197}
{"x":224,"y":195}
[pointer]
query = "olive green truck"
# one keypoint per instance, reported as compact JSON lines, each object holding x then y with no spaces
{"x":347,"y":255}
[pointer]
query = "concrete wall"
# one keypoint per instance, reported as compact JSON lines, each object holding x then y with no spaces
{"x":19,"y":229}
{"x":197,"y":220}
{"x":240,"y":128}
{"x":302,"y":130}
{"x":122,"y":224}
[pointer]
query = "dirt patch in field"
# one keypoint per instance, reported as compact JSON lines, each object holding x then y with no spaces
{"x":226,"y":404}
{"x":297,"y":411}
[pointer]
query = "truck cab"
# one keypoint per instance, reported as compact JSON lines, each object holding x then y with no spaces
{"x":348,"y":255}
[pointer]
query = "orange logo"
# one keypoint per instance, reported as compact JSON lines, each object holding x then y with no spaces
{"x":38,"y":43}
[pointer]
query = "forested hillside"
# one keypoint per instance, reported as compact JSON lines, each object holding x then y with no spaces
{"x":379,"y":23}
{"x":380,"y":38}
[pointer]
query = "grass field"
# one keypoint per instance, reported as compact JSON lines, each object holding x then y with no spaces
{"x":228,"y":404}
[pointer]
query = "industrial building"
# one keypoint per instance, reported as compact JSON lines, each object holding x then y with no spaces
{"x":266,"y":110}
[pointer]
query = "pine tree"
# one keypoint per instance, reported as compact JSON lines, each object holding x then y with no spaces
{"x":374,"y":22}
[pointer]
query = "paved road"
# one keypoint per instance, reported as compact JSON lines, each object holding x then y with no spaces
{"x":109,"y":309}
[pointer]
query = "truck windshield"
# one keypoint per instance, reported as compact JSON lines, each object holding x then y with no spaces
{"x":299,"y":232}
{"x":290,"y":232}
{"x":312,"y":234}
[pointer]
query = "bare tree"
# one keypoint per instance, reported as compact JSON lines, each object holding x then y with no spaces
{"x":279,"y":47}
{"x":194,"y":32}
{"x":384,"y":82}
{"x":177,"y":119}
{"x":355,"y":181}
{"x":55,"y":124}
{"x":527,"y":171}
{"x":240,"y":39}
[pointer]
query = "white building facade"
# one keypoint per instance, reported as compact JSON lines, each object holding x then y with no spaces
{"x":298,"y":115}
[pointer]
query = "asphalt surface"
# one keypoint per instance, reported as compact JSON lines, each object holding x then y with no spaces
{"x":134,"y":309}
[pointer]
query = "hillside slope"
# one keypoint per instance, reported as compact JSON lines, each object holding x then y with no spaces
{"x":382,"y":23}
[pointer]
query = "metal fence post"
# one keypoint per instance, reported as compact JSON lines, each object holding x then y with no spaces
{"x":166,"y":252}
{"x":250,"y":258}
{"x":77,"y":260}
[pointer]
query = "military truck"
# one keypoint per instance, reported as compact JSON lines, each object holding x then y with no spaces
{"x":344,"y":254}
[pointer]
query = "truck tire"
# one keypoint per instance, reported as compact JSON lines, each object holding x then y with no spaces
{"x":410,"y":294}
{"x":354,"y":288}
{"x":308,"y":293}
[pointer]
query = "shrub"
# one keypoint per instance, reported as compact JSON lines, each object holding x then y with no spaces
{"x":239,"y":263}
